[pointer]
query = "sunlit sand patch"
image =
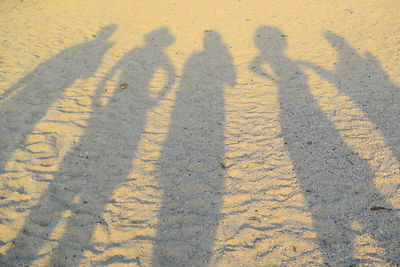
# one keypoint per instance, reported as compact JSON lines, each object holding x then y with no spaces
{"x":132,"y":214}
{"x":264,"y":220}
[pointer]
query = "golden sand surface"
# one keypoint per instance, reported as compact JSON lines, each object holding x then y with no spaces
{"x":199,"y":133}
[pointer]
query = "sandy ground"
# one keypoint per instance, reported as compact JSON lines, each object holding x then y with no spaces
{"x":199,"y":133}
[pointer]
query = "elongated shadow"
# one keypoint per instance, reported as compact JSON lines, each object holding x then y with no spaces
{"x":337,"y":184}
{"x":192,"y":162}
{"x":27,"y":101}
{"x":99,"y":164}
{"x":363,"y":79}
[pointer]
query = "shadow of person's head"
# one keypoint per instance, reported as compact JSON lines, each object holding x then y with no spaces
{"x":106,"y":32}
{"x":160,"y":38}
{"x":270,"y":40}
{"x":335,"y":40}
{"x":211,"y":40}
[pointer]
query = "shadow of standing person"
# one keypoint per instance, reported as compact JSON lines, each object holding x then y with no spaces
{"x":99,"y":164}
{"x":27,"y":101}
{"x":364,"y":80}
{"x":191,"y":165}
{"x":337,"y":184}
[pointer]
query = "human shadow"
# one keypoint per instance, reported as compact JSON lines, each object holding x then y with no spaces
{"x":191,"y":165}
{"x":27,"y":101}
{"x":364,"y":80}
{"x":337,"y":184}
{"x":99,"y":163}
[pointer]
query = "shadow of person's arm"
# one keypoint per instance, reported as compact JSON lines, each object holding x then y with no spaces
{"x":325,"y":74}
{"x":23,"y":84}
{"x":226,"y":71}
{"x":101,"y":87}
{"x":230,"y":75}
{"x":256,"y":67}
{"x":171,"y":75}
